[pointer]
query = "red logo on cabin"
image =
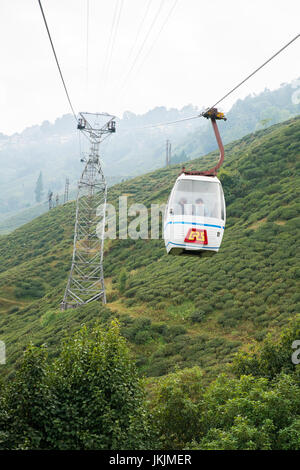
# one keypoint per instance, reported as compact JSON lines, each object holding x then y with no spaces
{"x":196,"y":235}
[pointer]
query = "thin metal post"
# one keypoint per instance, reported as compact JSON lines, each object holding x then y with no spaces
{"x":50,"y":194}
{"x":66,"y":195}
{"x":168,"y":152}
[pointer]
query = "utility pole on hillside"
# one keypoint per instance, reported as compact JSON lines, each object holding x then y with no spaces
{"x":66,"y":195}
{"x":86,"y":280}
{"x":168,"y":152}
{"x":50,"y":202}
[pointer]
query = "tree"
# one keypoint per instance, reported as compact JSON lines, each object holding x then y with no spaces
{"x":272,"y":357}
{"x":122,"y":281}
{"x":27,"y":404}
{"x":250,"y":413}
{"x":177,"y":408}
{"x":90,"y":397}
{"x":39,"y":188}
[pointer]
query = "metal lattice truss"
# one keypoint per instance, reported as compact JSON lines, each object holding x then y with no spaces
{"x":96,"y":126}
{"x":86,"y":280}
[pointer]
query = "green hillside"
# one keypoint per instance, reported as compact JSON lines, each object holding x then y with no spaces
{"x":174,"y":311}
{"x":52,"y":148}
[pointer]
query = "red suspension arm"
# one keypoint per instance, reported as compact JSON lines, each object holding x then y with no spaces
{"x":213,"y":115}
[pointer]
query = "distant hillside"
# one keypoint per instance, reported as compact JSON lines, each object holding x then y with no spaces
{"x":176,"y":312}
{"x":54,"y":148}
{"x":253,"y":113}
{"x":8,"y":224}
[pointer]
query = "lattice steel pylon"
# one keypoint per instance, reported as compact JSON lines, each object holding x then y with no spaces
{"x":86,"y":280}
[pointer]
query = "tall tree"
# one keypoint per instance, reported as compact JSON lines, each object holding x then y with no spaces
{"x":89,"y":397}
{"x":39,"y":188}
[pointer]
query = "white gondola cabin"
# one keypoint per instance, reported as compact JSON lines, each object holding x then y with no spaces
{"x":195,"y":214}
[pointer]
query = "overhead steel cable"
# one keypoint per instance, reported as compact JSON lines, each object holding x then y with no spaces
{"x":161,"y":123}
{"x":227,"y":94}
{"x":114,"y":40}
{"x":56,"y":59}
{"x":156,"y":38}
{"x":143,"y":45}
{"x":139,"y":31}
{"x":137,"y":36}
{"x":256,"y":70}
{"x":110,"y":39}
{"x":158,"y":34}
{"x":87,"y":45}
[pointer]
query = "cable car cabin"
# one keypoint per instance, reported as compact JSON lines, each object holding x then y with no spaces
{"x":195,"y":216}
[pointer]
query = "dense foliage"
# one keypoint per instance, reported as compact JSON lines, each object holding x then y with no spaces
{"x":243,"y":412}
{"x":88,"y":398}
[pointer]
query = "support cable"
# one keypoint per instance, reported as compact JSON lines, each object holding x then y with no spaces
{"x":229,"y":93}
{"x":56,"y":59}
{"x":113,"y":41}
{"x":139,"y":31}
{"x":87,"y":44}
{"x":110,"y":41}
{"x":158,"y":34}
{"x":143,"y":45}
{"x":255,"y":71}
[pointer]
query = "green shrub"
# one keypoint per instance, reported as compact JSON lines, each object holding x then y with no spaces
{"x":94,"y":381}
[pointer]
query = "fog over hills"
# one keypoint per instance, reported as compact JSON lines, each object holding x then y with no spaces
{"x":54,"y":148}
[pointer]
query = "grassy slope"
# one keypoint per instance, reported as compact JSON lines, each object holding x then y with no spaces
{"x":175,"y":311}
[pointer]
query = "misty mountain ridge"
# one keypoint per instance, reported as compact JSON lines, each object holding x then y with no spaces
{"x":54,"y":148}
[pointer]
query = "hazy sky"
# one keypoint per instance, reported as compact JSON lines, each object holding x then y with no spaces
{"x":204,"y":49}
